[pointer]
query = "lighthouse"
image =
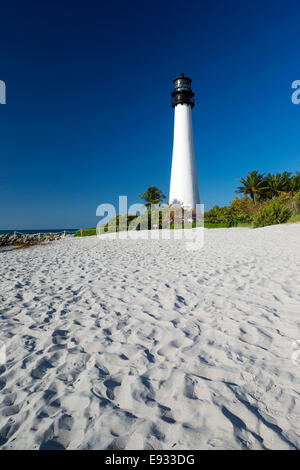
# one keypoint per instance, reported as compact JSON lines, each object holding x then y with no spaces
{"x":184,"y":183}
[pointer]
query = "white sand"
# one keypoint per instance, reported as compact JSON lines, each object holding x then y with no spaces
{"x":145,"y":345}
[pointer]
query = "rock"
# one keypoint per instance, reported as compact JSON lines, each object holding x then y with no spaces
{"x":27,"y":239}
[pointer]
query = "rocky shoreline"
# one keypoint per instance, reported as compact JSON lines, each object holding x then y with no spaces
{"x":28,"y":239}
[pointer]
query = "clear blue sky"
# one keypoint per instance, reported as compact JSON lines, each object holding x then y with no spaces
{"x":88,"y":113}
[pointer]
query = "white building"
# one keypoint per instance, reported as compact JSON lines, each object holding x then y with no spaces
{"x":184,"y":183}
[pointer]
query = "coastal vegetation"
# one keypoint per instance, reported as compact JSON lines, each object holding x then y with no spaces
{"x":266,"y":200}
{"x":261,"y":200}
{"x":87,"y":232}
{"x":152,"y":196}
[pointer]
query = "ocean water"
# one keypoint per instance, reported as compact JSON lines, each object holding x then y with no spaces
{"x":40,"y":230}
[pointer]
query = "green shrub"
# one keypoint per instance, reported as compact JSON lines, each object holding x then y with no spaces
{"x":293,"y":203}
{"x":87,"y":232}
{"x":243,"y":206}
{"x":215,"y":224}
{"x":227,"y":216}
{"x":294,"y":218}
{"x":272,"y":214}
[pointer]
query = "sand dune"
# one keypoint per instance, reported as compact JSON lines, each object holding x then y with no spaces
{"x":140,"y":344}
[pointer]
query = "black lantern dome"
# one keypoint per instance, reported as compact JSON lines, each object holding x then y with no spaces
{"x":182,"y":93}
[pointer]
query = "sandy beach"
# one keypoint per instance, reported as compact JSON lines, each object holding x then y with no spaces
{"x":142,"y":344}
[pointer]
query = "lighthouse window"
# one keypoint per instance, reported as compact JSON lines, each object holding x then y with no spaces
{"x":183,"y":84}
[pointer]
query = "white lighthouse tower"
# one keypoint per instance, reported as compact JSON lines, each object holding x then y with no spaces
{"x":184,"y":183}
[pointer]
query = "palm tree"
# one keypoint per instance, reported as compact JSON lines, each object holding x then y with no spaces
{"x":275,"y":185}
{"x":286,"y":180}
{"x":152,"y":195}
{"x":254,"y":185}
{"x":291,"y":183}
